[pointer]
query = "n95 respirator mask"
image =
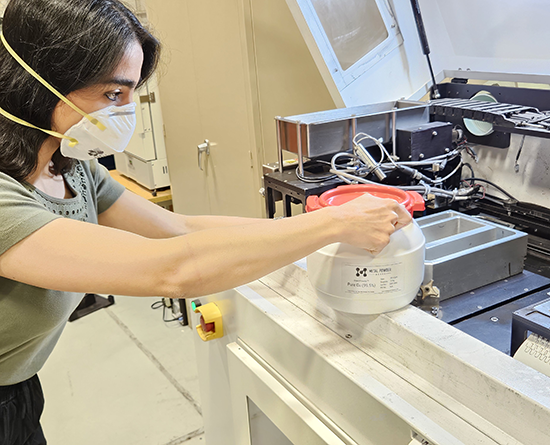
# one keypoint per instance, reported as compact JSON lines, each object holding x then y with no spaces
{"x":102,"y":133}
{"x":86,"y":140}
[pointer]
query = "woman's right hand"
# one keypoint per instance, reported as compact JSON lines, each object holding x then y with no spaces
{"x":368,"y":221}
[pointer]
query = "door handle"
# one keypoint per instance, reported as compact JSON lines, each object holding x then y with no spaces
{"x":203,"y":148}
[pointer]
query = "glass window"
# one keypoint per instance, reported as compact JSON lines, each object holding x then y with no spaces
{"x":262,"y":430}
{"x":353,"y":27}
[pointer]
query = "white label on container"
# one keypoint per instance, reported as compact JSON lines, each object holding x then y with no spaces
{"x":380,"y":279}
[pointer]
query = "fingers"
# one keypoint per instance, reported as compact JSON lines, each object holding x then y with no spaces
{"x":399,"y":217}
{"x":403,"y":217}
{"x":369,"y":221}
{"x":380,"y":240}
{"x":399,"y":214}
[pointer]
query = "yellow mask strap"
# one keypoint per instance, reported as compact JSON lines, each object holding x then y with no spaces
{"x":48,"y":86}
{"x":26,"y":124}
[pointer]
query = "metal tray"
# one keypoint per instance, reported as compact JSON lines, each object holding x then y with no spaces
{"x":465,"y":252}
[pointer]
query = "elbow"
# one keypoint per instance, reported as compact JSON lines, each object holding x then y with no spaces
{"x":179,"y":283}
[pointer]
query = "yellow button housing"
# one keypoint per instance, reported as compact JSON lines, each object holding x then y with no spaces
{"x":211,"y":314}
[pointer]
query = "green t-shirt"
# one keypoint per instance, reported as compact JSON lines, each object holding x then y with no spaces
{"x":32,"y":318}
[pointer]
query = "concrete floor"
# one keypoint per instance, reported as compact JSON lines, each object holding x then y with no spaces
{"x":122,"y":376}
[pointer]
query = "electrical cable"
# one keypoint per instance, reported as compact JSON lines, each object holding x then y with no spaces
{"x":500,"y":189}
{"x":360,"y":165}
{"x":314,"y":179}
{"x":383,"y":150}
{"x":418,"y":188}
{"x":516,"y":165}
{"x":406,"y":167}
{"x":159,"y":304}
{"x":439,"y":180}
{"x":470,"y":167}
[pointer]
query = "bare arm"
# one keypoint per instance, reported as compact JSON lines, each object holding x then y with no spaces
{"x":74,"y":256}
{"x":135,"y":214}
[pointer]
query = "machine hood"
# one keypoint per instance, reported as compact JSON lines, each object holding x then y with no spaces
{"x":369,"y":51}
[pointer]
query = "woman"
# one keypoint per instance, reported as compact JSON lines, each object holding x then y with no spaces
{"x":68,"y":70}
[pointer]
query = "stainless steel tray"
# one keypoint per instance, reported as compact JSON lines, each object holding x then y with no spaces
{"x":328,"y":132}
{"x":465,"y":252}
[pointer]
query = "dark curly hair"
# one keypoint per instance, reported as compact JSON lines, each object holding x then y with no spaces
{"x":72,"y":44}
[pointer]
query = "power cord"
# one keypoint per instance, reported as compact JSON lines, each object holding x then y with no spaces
{"x":158,"y":305}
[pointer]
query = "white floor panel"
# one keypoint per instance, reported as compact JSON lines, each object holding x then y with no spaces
{"x":121,"y":376}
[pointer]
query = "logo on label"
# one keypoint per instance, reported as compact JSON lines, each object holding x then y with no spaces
{"x":96,"y":153}
{"x":361,"y":272}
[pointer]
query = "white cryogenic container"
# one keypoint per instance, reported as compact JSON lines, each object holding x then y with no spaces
{"x":351,"y":279}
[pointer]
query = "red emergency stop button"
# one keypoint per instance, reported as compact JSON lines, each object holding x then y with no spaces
{"x":207,"y":327}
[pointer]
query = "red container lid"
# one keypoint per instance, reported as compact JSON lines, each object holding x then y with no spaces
{"x":412,"y":201}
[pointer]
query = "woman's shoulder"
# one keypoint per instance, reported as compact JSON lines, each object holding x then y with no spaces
{"x":5,"y":178}
{"x":9,"y":186}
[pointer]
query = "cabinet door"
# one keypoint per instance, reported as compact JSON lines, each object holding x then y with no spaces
{"x":142,"y":144}
{"x":207,"y":96}
{"x":265,"y":412}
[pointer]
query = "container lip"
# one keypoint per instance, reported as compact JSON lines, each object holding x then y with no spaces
{"x":345,"y":193}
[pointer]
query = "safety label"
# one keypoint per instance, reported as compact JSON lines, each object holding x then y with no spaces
{"x":381,"y":279}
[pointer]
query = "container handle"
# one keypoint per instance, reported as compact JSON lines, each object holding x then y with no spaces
{"x":312,"y":203}
{"x":418,"y":204}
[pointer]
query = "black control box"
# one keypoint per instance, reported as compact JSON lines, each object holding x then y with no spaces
{"x":424,"y":141}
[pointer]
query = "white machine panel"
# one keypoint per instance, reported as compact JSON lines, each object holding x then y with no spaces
{"x":300,"y":370}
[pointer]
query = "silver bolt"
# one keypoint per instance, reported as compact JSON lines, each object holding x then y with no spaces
{"x":349,"y":335}
{"x":434,"y":133}
{"x":494,"y":319}
{"x":480,"y":307}
{"x":421,"y":155}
